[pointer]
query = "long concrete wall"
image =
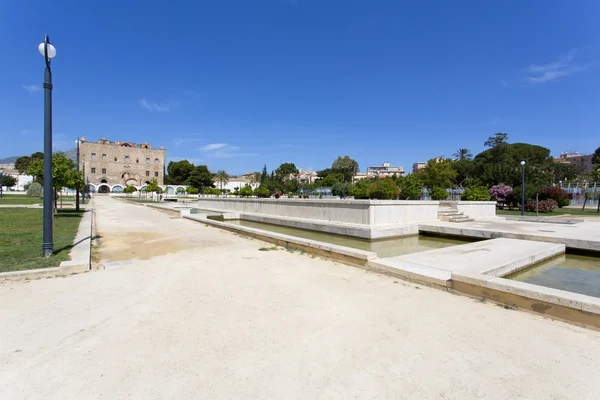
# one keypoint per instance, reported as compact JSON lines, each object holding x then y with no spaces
{"x":373,"y":213}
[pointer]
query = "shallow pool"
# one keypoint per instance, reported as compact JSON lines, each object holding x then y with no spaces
{"x":383,"y":248}
{"x":574,"y":273}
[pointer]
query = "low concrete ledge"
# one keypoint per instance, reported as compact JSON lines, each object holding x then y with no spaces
{"x":343,"y":254}
{"x":554,"y":303}
{"x":414,"y":273}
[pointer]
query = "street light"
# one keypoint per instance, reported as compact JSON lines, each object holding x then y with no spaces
{"x":77,"y":169}
{"x":523,"y":188}
{"x":84,"y":183}
{"x":1,"y":182}
{"x":49,"y":52}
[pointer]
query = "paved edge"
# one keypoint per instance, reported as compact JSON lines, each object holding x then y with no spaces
{"x":80,"y":255}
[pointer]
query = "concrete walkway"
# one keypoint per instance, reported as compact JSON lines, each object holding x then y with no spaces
{"x":204,"y":314}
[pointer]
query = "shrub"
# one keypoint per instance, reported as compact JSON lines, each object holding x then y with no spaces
{"x":130,"y":189}
{"x":246,"y":191}
{"x":514,"y":199}
{"x":341,"y":189}
{"x":476,"y":193}
{"x":500,"y":193}
{"x":554,"y":193}
{"x":438,"y":193}
{"x":262,"y":192}
{"x":180,"y":190}
{"x":384,"y":189}
{"x":543,"y":206}
{"x":360,"y":190}
{"x":410,"y":187}
{"x":35,"y":190}
{"x":192,"y":190}
{"x":210,"y":190}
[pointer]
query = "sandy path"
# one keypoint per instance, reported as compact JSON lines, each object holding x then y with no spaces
{"x":216,"y":318}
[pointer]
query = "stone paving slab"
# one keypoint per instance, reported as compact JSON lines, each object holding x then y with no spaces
{"x":582,"y":236}
{"x":496,"y":257}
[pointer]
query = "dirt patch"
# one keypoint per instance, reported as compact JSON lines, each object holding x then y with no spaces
{"x":141,"y":245}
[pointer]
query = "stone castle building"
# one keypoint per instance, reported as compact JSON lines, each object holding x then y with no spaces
{"x":112,"y":166}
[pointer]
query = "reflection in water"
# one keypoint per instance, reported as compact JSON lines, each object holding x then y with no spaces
{"x":575,"y":273}
{"x":383,"y":248}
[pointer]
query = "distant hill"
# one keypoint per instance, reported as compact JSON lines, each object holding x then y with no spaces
{"x":8,"y":160}
{"x":72,"y":154}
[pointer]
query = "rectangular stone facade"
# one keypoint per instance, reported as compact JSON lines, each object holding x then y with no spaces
{"x":121,"y":163}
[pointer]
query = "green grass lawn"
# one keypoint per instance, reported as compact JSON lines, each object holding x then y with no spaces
{"x":589,"y":212}
{"x":21,"y":238}
{"x":24,"y":199}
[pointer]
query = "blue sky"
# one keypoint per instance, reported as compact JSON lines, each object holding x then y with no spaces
{"x":235,"y":84}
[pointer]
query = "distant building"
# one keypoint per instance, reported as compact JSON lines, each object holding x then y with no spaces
{"x":22,"y":180}
{"x":418,"y":166}
{"x":582,"y":160}
{"x":385,"y":170}
{"x":112,"y":166}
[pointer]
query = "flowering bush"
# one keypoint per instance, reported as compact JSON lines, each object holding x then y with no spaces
{"x":543,"y":206}
{"x":500,"y":193}
{"x":557,"y":194}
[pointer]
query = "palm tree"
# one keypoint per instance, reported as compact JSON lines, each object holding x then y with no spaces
{"x":221,"y":177}
{"x":463,"y":154}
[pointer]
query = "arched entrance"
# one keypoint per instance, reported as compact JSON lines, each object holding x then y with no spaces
{"x":103,"y":188}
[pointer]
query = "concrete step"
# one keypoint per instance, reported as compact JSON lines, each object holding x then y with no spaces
{"x":449,"y":213}
{"x":461,"y":219}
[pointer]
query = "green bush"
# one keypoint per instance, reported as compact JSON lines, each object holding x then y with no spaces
{"x":130,"y":189}
{"x":246,"y":191}
{"x":35,"y":190}
{"x":360,"y":190}
{"x":438,"y":193}
{"x":262,"y":192}
{"x":530,"y":191}
{"x":476,"y":193}
{"x":384,"y":189}
{"x":340,"y":189}
{"x":410,"y":187}
{"x":192,"y":190}
{"x":554,"y":193}
{"x":210,"y":190}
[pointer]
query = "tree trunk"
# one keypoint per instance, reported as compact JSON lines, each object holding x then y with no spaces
{"x":585,"y":199}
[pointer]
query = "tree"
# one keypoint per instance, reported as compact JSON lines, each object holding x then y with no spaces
{"x":179,"y":172}
{"x":341,"y":189}
{"x":264,"y":175}
{"x":291,"y":186}
{"x":360,"y":190}
{"x":438,"y":193}
{"x":286,"y":171}
{"x":262,"y":191}
{"x":9,"y":181}
{"x":345,"y":166}
{"x":22,"y":164}
{"x":463,"y":154}
{"x":384,"y":189}
{"x":330,"y":180}
{"x":222,"y":178}
{"x":411,"y":187}
{"x":496,"y":140}
{"x":201,"y":177}
{"x":246,"y":191}
{"x":439,"y":172}
{"x":153,"y":186}
{"x":476,"y":193}
{"x":130,"y":189}
{"x":596,"y":158}
{"x":64,"y":174}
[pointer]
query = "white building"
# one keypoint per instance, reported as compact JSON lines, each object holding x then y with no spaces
{"x":385,"y":170}
{"x":22,"y":180}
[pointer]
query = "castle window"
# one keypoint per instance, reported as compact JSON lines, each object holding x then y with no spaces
{"x":147,"y":173}
{"x":156,"y":161}
{"x":156,"y":174}
{"x":126,"y":158}
{"x":93,"y":156}
{"x":103,"y":171}
{"x":147,"y":161}
{"x":115,"y":158}
{"x":104,"y":156}
{"x":93,"y":170}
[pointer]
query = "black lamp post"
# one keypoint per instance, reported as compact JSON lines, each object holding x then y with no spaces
{"x":1,"y":182}
{"x":49,"y":52}
{"x":84,"y":183}
{"x":523,"y":188}
{"x":77,"y":169}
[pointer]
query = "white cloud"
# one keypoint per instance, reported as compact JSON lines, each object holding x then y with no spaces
{"x":213,"y":146}
{"x":551,"y":72}
{"x":32,"y":88}
{"x":153,"y":106}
